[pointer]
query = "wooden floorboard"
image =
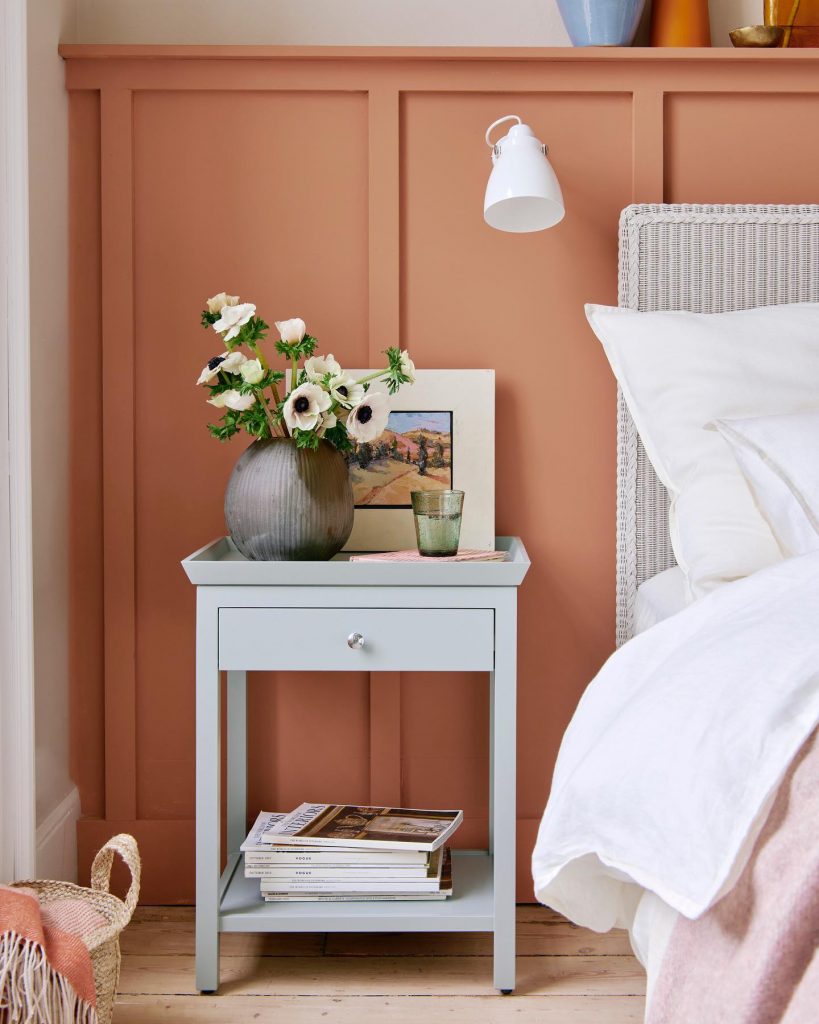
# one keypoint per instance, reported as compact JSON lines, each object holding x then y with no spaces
{"x":164,"y":939}
{"x":541,"y":933}
{"x":494,"y":1009}
{"x":565,"y":974}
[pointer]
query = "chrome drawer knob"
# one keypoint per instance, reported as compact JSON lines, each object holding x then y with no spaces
{"x":355,"y":641}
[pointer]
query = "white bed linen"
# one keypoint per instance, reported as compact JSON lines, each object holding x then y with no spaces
{"x":777,"y":456}
{"x":660,"y":597}
{"x":650,"y":933}
{"x":672,"y":759}
{"x":679,"y":371}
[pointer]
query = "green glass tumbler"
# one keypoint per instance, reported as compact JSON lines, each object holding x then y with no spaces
{"x":438,"y":521}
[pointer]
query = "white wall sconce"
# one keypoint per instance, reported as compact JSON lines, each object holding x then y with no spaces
{"x":523,"y":193}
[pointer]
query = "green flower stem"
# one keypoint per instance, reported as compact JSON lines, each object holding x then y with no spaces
{"x":259,"y":354}
{"x":295,"y":382}
{"x":372,"y":376}
{"x":338,"y":410}
{"x":278,"y":401}
{"x":274,"y":430}
{"x":274,"y":427}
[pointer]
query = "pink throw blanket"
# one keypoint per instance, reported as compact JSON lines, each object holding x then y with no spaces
{"x":753,"y":958}
{"x":46,"y":975}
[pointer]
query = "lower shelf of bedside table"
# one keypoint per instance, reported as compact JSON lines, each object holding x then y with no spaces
{"x":469,"y":909}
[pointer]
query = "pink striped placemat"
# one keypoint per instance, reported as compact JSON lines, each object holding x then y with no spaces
{"x":413,"y":556}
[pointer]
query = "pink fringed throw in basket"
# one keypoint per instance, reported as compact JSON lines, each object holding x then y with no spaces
{"x":59,"y":944}
{"x":45,"y":967}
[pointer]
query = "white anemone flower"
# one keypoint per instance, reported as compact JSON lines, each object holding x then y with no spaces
{"x":252,"y":371}
{"x":328,"y":421}
{"x":346,"y":391}
{"x":227,"y":362}
{"x":407,"y":366}
{"x":317,"y":367}
{"x":233,"y":318}
{"x":232,"y":400}
{"x":304,"y":406}
{"x":368,"y":419}
{"x":291,"y":330}
{"x":216,"y":303}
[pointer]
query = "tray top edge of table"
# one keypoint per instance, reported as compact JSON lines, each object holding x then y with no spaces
{"x":220,"y":564}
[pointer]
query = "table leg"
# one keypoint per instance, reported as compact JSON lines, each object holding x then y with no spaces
{"x":208,"y":764}
{"x":236,"y":760}
{"x":503,"y":796}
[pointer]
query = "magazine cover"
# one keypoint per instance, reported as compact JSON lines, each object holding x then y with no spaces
{"x":259,"y":853}
{"x":267,"y":821}
{"x":369,"y":827}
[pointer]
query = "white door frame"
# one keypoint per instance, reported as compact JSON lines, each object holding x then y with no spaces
{"x":17,"y":792}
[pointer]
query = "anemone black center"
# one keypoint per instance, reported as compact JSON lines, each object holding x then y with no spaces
{"x":343,"y":391}
{"x":301,"y":404}
{"x":213,"y":363}
{"x":365,"y":414}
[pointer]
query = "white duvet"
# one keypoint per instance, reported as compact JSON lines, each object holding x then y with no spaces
{"x":672,"y":759}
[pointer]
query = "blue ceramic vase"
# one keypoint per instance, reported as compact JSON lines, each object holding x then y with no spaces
{"x":601,"y":22}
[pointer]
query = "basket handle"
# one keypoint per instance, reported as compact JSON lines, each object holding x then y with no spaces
{"x":126,"y":847}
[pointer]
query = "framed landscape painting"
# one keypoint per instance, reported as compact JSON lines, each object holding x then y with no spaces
{"x":414,"y":453}
{"x":440,"y":436}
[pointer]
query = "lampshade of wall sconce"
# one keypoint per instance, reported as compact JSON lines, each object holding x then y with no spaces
{"x":680,"y":23}
{"x":523,"y":193}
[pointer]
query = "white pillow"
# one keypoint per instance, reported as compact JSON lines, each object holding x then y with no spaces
{"x":779,"y":457}
{"x":680,"y":371}
{"x":659,"y":597}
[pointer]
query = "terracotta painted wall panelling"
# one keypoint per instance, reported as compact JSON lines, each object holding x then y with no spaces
{"x":762,"y":148}
{"x":348,"y":190}
{"x":445,"y":748}
{"x":86,"y":638}
{"x":514,"y":303}
{"x":279,"y":214}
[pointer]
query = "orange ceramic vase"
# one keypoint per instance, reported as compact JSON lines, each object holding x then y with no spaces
{"x":680,"y":23}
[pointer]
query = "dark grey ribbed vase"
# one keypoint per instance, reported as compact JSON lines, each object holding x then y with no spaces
{"x":288,"y":504}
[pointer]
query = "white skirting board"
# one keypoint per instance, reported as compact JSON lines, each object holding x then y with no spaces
{"x":57,"y":840}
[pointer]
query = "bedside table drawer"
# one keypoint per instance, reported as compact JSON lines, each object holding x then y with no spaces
{"x":357,"y":639}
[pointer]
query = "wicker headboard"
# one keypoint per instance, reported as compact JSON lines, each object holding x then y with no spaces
{"x":708,"y":259}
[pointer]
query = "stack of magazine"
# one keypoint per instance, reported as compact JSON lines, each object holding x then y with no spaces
{"x":337,"y":852}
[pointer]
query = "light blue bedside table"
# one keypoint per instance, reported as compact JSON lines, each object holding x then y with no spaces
{"x":343,"y":616}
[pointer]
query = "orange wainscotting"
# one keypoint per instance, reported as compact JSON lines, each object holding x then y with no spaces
{"x":345,"y":186}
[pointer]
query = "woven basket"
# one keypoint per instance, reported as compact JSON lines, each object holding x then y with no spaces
{"x":102,"y":942}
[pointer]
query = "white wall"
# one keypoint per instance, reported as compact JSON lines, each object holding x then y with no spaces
{"x":17,"y":818}
{"x":351,"y":22}
{"x":319,"y":22}
{"x":49,"y":21}
{"x":730,"y":14}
